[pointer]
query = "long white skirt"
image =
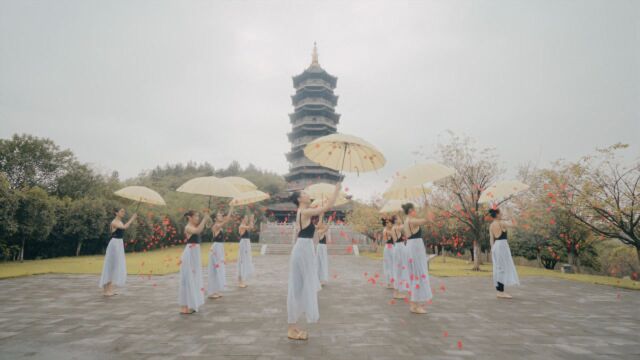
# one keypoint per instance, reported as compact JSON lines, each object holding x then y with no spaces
{"x":401,"y":267}
{"x":245,"y":261}
{"x":302,"y":296}
{"x":387,"y":263}
{"x":418,"y":271}
{"x":114,"y":269}
{"x":504,"y":270}
{"x":191,"y":292}
{"x":216,"y":269}
{"x":323,"y":263}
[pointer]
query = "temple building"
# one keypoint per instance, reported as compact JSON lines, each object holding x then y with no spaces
{"x":313,"y":116}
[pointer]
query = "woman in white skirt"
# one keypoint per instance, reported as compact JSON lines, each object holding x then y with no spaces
{"x":420,"y":288}
{"x":504,"y":270}
{"x":114,"y":270}
{"x":400,"y":262}
{"x":217,"y":271}
{"x":389,"y":236}
{"x":322,"y":231}
{"x":302,"y":296}
{"x":245,"y":261}
{"x":191,"y":290}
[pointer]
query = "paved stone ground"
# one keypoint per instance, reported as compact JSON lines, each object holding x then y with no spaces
{"x":65,"y":317}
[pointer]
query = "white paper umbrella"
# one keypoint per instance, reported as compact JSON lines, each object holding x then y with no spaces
{"x":344,"y":153}
{"x":502,"y":190}
{"x":141,"y":194}
{"x":210,"y":186}
{"x":249,"y":197}
{"x":418,"y":175}
{"x":406,"y":193}
{"x":240,"y":183}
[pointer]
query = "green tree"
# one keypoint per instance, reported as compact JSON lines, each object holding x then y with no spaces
{"x":35,"y":217}
{"x":85,"y":221}
{"x":80,"y":181}
{"x":29,"y":161}
{"x":8,"y":225}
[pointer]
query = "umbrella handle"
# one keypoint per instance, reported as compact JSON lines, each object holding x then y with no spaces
{"x":137,"y":206}
{"x":344,"y":156}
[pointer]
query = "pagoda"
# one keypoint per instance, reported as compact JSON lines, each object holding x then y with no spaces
{"x":314,"y":116}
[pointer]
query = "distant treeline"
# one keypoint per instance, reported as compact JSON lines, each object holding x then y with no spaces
{"x":52,"y":205}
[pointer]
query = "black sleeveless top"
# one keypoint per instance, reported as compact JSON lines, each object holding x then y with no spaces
{"x":246,"y":235}
{"x":503,"y":235}
{"x":390,"y":239}
{"x":118,"y":234}
{"x":417,"y":235}
{"x":219,"y":237}
{"x":194,"y":239}
{"x":307,"y":233}
{"x":323,"y":240}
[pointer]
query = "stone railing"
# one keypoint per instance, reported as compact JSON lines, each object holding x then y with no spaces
{"x":282,"y":233}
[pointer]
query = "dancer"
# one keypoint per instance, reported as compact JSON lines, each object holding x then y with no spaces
{"x":114,"y":270}
{"x":504,"y":270}
{"x":302,"y":296}
{"x":390,"y":237}
{"x":400,"y":261}
{"x":217,"y":271}
{"x":322,"y":231}
{"x":418,"y":264}
{"x":245,"y":261}
{"x":191,"y":291}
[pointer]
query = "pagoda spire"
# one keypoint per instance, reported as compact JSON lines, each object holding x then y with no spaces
{"x":314,"y":55}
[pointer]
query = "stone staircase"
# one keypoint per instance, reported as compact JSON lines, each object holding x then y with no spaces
{"x":285,"y":249}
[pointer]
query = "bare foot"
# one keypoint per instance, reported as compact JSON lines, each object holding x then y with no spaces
{"x":297,"y":334}
{"x":502,"y":295}
{"x":399,"y":295}
{"x":215,"y":296}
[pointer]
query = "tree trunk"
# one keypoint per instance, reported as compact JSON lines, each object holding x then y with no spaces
{"x":638,"y":251}
{"x":476,"y":258}
{"x":539,"y":258}
{"x":22,"y":251}
{"x":78,"y":248}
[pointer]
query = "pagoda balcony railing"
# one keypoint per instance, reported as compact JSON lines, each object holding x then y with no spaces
{"x":315,"y":101}
{"x":314,"y":82}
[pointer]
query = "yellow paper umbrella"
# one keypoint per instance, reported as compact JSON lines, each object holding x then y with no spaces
{"x":406,"y":193}
{"x":141,"y":194}
{"x":240,"y":183}
{"x":210,"y":186}
{"x":418,"y":175}
{"x":249,"y":197}
{"x":341,"y":200}
{"x":391,"y":206}
{"x":344,"y":153}
{"x":395,"y":205}
{"x":501,"y":191}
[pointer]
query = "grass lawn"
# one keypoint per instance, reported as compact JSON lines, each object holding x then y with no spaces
{"x":156,"y":262}
{"x":459,"y":267}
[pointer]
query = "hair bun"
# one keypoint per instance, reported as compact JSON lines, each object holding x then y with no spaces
{"x":407,"y":207}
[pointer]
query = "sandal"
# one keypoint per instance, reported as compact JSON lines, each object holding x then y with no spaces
{"x":188,"y":312}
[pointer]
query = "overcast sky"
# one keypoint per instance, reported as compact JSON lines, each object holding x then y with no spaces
{"x":128,"y":85}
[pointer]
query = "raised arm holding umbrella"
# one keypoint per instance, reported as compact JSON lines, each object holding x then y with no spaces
{"x":114,"y":269}
{"x":216,"y":267}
